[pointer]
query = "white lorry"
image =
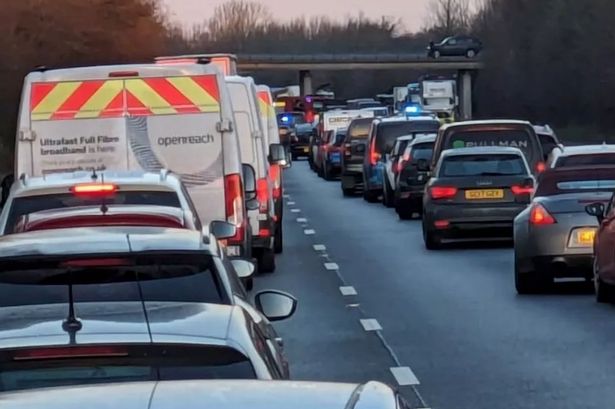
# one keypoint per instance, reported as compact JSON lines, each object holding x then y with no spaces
{"x":440,"y":97}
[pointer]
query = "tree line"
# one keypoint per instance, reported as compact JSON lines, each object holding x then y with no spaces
{"x":547,"y":61}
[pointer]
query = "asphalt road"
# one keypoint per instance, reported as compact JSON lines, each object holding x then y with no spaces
{"x":452,"y":317}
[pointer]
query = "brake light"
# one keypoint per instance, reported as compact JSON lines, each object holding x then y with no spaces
{"x":69,"y":352}
{"x":442,"y":192}
{"x":262,"y":194}
{"x":234,"y":206}
{"x":374,"y":156}
{"x":541,"y":167}
{"x":98,"y":262}
{"x":123,"y":74}
{"x":275,"y":177}
{"x":540,"y":216}
{"x":94,"y":189}
{"x":442,"y":224}
{"x":522,"y":190}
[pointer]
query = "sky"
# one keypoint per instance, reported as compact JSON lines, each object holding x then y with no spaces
{"x":411,"y":12}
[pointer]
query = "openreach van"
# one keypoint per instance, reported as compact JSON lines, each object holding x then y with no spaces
{"x":138,"y":117}
{"x":254,"y":153}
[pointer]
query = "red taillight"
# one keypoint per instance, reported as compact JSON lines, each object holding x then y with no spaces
{"x":374,"y":156}
{"x":69,"y":352}
{"x":541,"y":167}
{"x":262,"y":194}
{"x":123,"y":74}
{"x":442,"y":192}
{"x":442,"y":224}
{"x":94,"y":189}
{"x":98,"y":262}
{"x":234,"y":206}
{"x":275,"y":175}
{"x":522,"y":190}
{"x":540,"y":216}
{"x":264,"y":232}
{"x":309,"y":116}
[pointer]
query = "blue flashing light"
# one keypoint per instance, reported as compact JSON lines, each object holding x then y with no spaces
{"x":285,"y":119}
{"x":412,"y":109}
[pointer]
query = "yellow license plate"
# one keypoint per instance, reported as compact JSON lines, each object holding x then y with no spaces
{"x":306,"y":149}
{"x":484,"y":194}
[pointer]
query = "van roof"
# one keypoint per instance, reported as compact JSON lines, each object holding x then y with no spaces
{"x":486,"y":122}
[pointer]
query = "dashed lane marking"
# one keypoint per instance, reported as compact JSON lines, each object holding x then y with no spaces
{"x":291,"y":203}
{"x":332,"y":266}
{"x":319,"y":247}
{"x":301,"y":220}
{"x":309,"y":232}
{"x":295,"y":210}
{"x":286,"y":196}
{"x":348,"y":290}
{"x":404,"y":376}
{"x":371,"y":324}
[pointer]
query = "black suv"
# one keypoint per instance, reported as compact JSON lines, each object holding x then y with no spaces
{"x":354,"y":147}
{"x":457,"y":46}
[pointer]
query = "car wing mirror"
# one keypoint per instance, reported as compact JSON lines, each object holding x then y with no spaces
{"x":222,"y":230}
{"x":275,"y":305}
{"x":597,"y":210}
{"x":243,"y":267}
{"x":278,"y":155}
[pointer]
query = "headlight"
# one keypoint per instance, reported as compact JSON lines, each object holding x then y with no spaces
{"x":582,"y":237}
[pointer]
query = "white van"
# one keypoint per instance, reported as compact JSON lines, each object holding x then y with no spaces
{"x":254,"y":153}
{"x":138,"y":117}
{"x":269,"y":123}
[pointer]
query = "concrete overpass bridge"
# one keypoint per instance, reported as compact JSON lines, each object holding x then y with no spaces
{"x":465,"y":68}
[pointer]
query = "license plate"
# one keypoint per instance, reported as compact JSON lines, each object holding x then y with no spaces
{"x":335,"y":157}
{"x":306,"y":149}
{"x":484,"y":194}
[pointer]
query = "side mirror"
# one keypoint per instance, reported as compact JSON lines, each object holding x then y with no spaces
{"x":222,"y":230}
{"x":277,"y":154}
{"x":422,"y":165}
{"x":597,"y":210}
{"x":249,"y":181}
{"x":245,"y":270}
{"x":275,"y":305}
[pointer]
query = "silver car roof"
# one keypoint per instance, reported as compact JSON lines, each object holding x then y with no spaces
{"x":587,"y":149}
{"x":209,"y":394}
{"x":485,"y":122}
{"x":100,"y":240}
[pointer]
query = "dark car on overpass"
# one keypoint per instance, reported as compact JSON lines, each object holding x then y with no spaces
{"x":456,"y":46}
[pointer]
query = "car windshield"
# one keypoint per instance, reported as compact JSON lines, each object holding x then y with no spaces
{"x":22,"y":206}
{"x":134,"y":364}
{"x":388,"y":132}
{"x":482,"y":165}
{"x":169,"y":277}
{"x":586,"y":159}
{"x":516,"y":138}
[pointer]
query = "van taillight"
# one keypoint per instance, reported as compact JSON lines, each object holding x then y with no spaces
{"x":374,"y":156}
{"x":262,"y":194}
{"x":275,"y":175}
{"x":234,"y":205}
{"x":347,"y":149}
{"x":541,"y":167}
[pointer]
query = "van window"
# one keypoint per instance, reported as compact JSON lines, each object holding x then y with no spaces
{"x":482,"y":165}
{"x":516,"y":138}
{"x":388,"y":132}
{"x":422,"y":151}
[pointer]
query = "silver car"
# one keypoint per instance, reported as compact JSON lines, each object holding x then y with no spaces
{"x":584,"y":155}
{"x":213,"y":394}
{"x":554,"y":236}
{"x":103,"y":276}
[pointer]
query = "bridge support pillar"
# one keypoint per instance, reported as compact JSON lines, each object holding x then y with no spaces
{"x":465,"y":94}
{"x":305,"y":83}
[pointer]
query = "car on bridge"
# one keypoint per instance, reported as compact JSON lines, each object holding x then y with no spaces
{"x":455,"y":46}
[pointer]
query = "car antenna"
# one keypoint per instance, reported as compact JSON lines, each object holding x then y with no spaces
{"x":103,"y":206}
{"x":94,"y":175}
{"x":71,"y":324}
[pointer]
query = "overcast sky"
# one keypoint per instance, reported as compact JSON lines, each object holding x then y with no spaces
{"x":411,"y":12}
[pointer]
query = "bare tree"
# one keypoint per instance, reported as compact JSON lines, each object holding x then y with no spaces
{"x":235,"y":21}
{"x":448,"y":17}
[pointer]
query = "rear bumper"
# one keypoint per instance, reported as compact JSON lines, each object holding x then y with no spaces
{"x":351,"y":176}
{"x":473,"y":222}
{"x":558,"y":266}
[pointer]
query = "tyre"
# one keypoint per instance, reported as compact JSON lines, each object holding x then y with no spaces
{"x":278,"y":239}
{"x":328,"y":172}
{"x":370,"y":196}
{"x":347,"y":192}
{"x":432,"y":242}
{"x":436,"y":54}
{"x":404,"y":213}
{"x":266,"y":261}
{"x":470,"y":53}
{"x":532,"y":282}
{"x":387,"y":193}
{"x":605,"y":293}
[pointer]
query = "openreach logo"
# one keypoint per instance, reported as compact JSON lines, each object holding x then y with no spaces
{"x":185,"y":140}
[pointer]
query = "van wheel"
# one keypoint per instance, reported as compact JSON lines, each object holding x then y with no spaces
{"x":370,"y":196}
{"x":387,"y":193}
{"x":278,"y":240}
{"x":266,"y":261}
{"x":348,"y":192}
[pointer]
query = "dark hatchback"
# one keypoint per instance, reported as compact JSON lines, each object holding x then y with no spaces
{"x":456,"y":46}
{"x":354,"y":147}
{"x":475,"y":193}
{"x":413,"y":175}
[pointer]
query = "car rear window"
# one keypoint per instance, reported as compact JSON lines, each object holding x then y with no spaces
{"x":388,"y":132}
{"x":22,"y":206}
{"x":164,"y":278}
{"x":359,"y":129}
{"x":587,"y":159}
{"x":516,"y":138}
{"x":482,"y":165}
{"x":139,"y":363}
{"x":422,"y":151}
{"x":554,"y":182}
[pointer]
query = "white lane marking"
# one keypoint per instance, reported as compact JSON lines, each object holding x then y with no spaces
{"x":332,"y":266}
{"x":319,"y":247}
{"x":291,"y":203}
{"x":355,"y":305}
{"x":404,"y":376}
{"x":309,"y":232}
{"x":295,"y":210}
{"x":286,"y":196}
{"x":371,"y":324}
{"x":301,"y":220}
{"x":348,"y":290}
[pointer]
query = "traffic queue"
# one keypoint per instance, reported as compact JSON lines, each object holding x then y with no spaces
{"x":478,"y":181}
{"x":145,"y":198}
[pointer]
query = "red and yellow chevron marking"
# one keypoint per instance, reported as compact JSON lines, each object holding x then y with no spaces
{"x":265,"y":103}
{"x":124,"y":97}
